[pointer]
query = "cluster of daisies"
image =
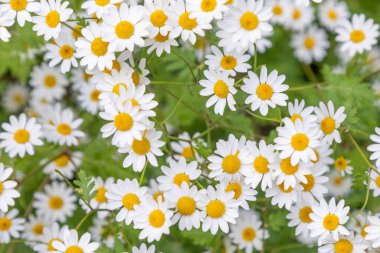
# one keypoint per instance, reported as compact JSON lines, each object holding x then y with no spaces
{"x":91,"y":58}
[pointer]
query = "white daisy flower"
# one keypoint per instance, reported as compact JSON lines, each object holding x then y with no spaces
{"x":323,"y":153}
{"x":283,"y":197}
{"x":358,"y":224}
{"x":221,"y":88}
{"x":297,"y":141}
{"x":297,"y":110}
{"x":34,"y":227}
{"x":144,"y":249}
{"x":7,"y":191}
{"x":49,"y":81}
{"x":19,"y":10}
{"x":100,"y":200}
{"x":139,"y":75}
{"x":158,"y":17}
{"x":229,"y":158}
{"x":332,"y":13}
{"x":144,"y":150}
{"x":155,"y":191}
{"x":50,"y":233}
{"x":357,"y":35}
{"x":15,"y":97}
{"x":11,"y":226}
{"x":5,"y":21}
{"x":62,"y":51}
{"x":265,"y":91}
{"x":243,"y":24}
{"x":185,"y":200}
{"x":64,"y":128}
{"x":375,"y":148}
{"x":329,"y":121}
{"x":338,"y":185}
{"x":310,"y":45}
{"x":314,"y":187}
{"x":373,"y":231}
{"x":50,"y":16}
{"x":65,"y":163}
{"x":186,"y":147}
{"x":375,"y":184}
{"x":248,"y":233}
{"x":177,"y":173}
{"x":20,"y":135}
{"x":220,"y":208}
{"x":279,"y":9}
{"x":207,"y":9}
{"x":126,"y":194}
{"x":124,"y":27}
{"x":328,"y":219}
{"x":93,"y":49}
{"x":89,"y":98}
{"x":298,"y":17}
{"x":342,"y":165}
{"x":228,"y":62}
{"x":57,"y":202}
{"x":160,"y":43}
{"x":299,"y":215}
{"x":242,"y":192}
{"x":99,"y":7}
{"x":350,"y":243}
{"x":184,"y":25}
{"x":153,"y":218}
{"x":72,"y":242}
{"x":290,"y":175}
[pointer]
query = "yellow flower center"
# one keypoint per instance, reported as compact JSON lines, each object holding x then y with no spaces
{"x":215,"y":209}
{"x":357,"y":36}
{"x":231,"y":164}
{"x":236,"y":188}
{"x":130,"y":200}
{"x":21,"y":136}
{"x":277,"y":10}
{"x":186,"y":22}
{"x":136,"y":78}
{"x":332,"y":14}
{"x":295,"y":117}
{"x":158,"y":18}
{"x":186,"y":206}
{"x":157,"y":195}
{"x":309,"y":42}
{"x":38,"y":229}
{"x":377,"y":181}
{"x":287,"y":167}
{"x":180,"y":178}
{"x":66,"y":52}
{"x":228,"y":62}
{"x":123,"y":122}
{"x":304,"y":214}
{"x":141,"y":147}
{"x":331,"y":222}
{"x":309,"y":184}
{"x":341,"y":163}
{"x":248,"y":234}
{"x":363,"y":233}
{"x":124,"y":30}
{"x":282,"y":188}
{"x":64,"y":129}
{"x":52,"y":19}
{"x":77,"y":32}
{"x":99,"y":47}
{"x":338,"y":180}
{"x":102,"y":2}
{"x":74,"y":249}
{"x":300,"y":141}
{"x":343,"y":246}
{"x":50,"y":244}
{"x":94,"y":95}
{"x":18,"y":5}
{"x":208,"y":5}
{"x":50,"y":81}
{"x":161,"y":38}
{"x":221,"y":89}
{"x":62,"y":161}
{"x":249,"y":21}
{"x":296,"y":14}
{"x":157,"y":218}
{"x":317,"y":155}
{"x":328,"y":125}
{"x":264,"y":91}
{"x":116,"y":88}
{"x":55,"y":202}
{"x":187,"y":152}
{"x":5,"y":224}
{"x":261,"y":164}
{"x":100,"y":196}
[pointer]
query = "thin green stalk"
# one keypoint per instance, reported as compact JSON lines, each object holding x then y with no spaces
{"x":262,"y":117}
{"x":188,"y":65}
{"x":143,"y":173}
{"x":175,"y":108}
{"x":84,"y":219}
{"x":366,"y":195}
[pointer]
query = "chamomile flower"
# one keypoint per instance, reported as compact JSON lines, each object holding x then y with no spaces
{"x":34,"y":226}
{"x":229,"y":159}
{"x":20,"y":135}
{"x":349,"y":243}
{"x":5,"y":21}
{"x":324,"y":159}
{"x":283,"y":197}
{"x":243,"y":25}
{"x":265,"y":91}
{"x":64,"y":128}
{"x":248,"y":233}
{"x":128,"y":195}
{"x":7,"y":191}
{"x":358,"y":35}
{"x":50,"y":16}
{"x":144,"y":150}
{"x":298,"y":17}
{"x":62,"y":51}
{"x":184,"y":24}
{"x":290,"y":175}
{"x":125,"y":27}
{"x":373,"y":231}
{"x":338,"y":185}
{"x":157,"y":14}
{"x":160,"y":43}
{"x":359,"y":223}
{"x":185,"y":200}
{"x":314,"y":187}
{"x":310,"y":45}
{"x":19,"y":10}
{"x":328,"y":219}
{"x":228,"y":62}
{"x":375,"y":148}
{"x":221,"y":88}
{"x":207,"y":9}
{"x":299,"y":215}
{"x":144,"y":249}
{"x":177,"y":173}
{"x":186,"y":148}
{"x":93,"y":49}
{"x":72,"y":242}
{"x":329,"y":121}
{"x":375,"y":184}
{"x":89,"y":98}
{"x":297,"y":110}
{"x":50,"y":234}
{"x":57,"y":202}
{"x":242,"y":192}
{"x":333,"y":12}
{"x":297,"y":141}
{"x":342,"y":165}
{"x":65,"y":163}
{"x":99,"y":7}
{"x":153,"y":218}
{"x":11,"y":226}
{"x":220,"y":208}
{"x":279,"y":9}
{"x":15,"y":97}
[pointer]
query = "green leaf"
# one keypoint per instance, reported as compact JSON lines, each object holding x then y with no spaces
{"x":85,"y":186}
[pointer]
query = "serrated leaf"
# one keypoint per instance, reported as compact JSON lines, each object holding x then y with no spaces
{"x":85,"y":186}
